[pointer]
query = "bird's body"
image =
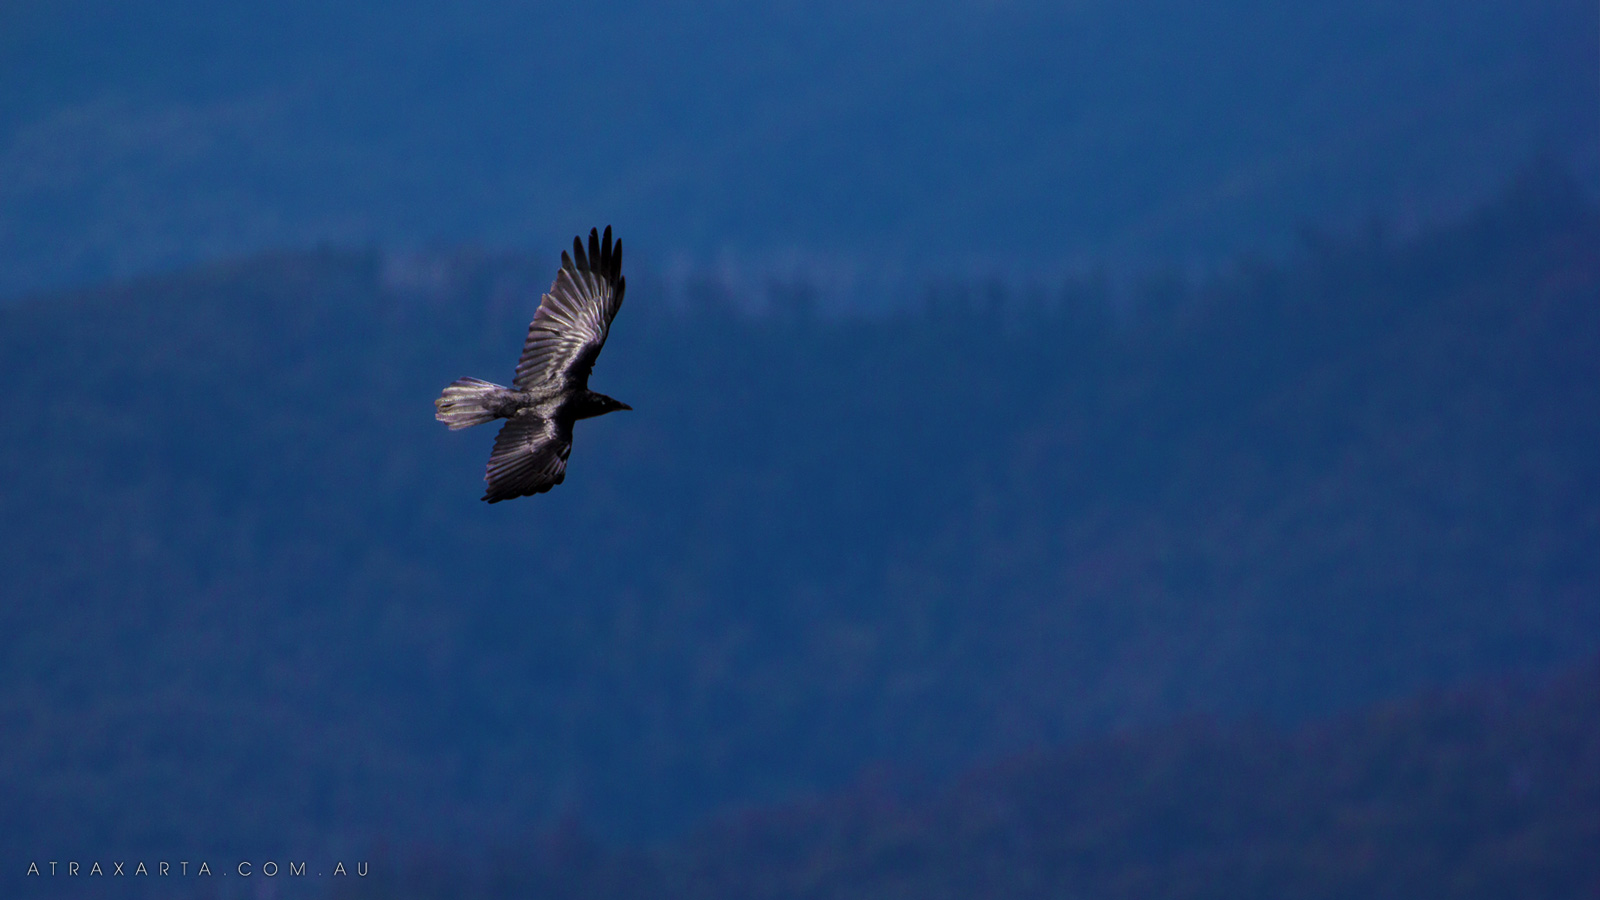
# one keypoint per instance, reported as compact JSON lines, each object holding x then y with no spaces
{"x":551,"y":388}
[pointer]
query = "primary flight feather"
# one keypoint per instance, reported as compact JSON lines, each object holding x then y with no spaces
{"x":551,"y":387}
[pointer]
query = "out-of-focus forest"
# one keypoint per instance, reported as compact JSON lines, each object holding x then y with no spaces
{"x":1484,"y":793}
{"x":1119,"y":448}
{"x":255,"y":607}
{"x":942,"y":136}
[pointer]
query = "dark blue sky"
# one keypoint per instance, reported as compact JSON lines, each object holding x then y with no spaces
{"x":957,"y":135}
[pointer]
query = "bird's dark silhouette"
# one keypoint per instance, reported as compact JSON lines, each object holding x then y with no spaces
{"x":551,"y":387}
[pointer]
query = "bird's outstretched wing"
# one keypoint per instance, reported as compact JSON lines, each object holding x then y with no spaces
{"x":573,"y":319}
{"x":530,"y":457}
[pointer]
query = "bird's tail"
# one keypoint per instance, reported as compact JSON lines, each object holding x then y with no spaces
{"x":467,"y":402}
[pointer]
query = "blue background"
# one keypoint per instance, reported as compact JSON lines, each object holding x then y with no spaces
{"x":1138,"y":449}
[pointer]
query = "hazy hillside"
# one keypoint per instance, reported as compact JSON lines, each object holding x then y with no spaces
{"x":1488,"y":793}
{"x":955,"y":134}
{"x":244,"y":569}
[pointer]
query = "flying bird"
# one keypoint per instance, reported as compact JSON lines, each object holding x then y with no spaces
{"x":551,"y":387}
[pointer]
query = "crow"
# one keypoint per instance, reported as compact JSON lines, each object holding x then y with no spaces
{"x":551,"y":387}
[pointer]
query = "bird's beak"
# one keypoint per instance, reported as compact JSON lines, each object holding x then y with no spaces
{"x":621,"y":405}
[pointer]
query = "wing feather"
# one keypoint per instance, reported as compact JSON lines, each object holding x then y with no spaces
{"x":574,"y":318}
{"x":529,"y":457}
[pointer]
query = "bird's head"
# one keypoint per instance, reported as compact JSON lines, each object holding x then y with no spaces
{"x":593,"y":404}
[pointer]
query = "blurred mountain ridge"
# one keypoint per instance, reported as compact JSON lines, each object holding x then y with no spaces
{"x":1488,"y":791}
{"x":245,"y":569}
{"x":149,"y":137}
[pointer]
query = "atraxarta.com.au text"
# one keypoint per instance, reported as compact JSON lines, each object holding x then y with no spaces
{"x":184,"y":867}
